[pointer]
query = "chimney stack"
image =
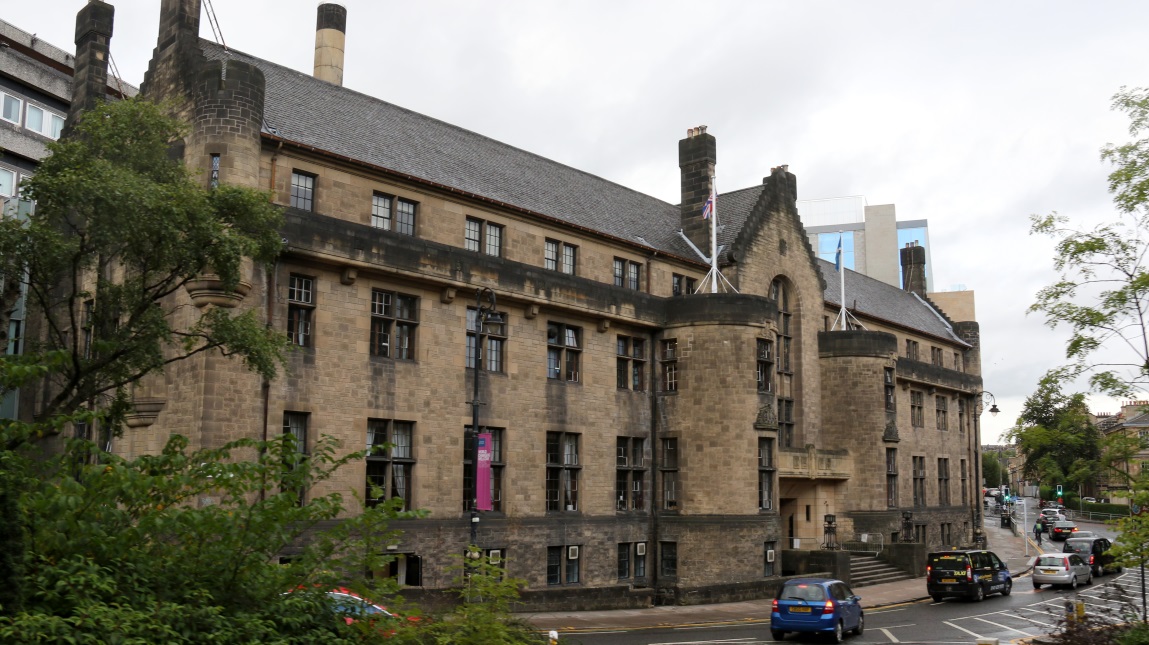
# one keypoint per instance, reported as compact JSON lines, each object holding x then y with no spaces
{"x":330,"y":35}
{"x":93,"y":41}
{"x":913,"y":258}
{"x":697,"y":155}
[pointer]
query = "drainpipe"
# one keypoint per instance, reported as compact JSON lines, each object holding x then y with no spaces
{"x":654,"y":461}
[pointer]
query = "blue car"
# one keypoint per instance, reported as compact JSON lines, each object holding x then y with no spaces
{"x":816,"y":605}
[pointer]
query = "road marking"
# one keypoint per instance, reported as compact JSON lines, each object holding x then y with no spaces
{"x":1005,"y":627}
{"x":889,"y":635}
{"x":958,"y":627}
{"x":728,"y":640}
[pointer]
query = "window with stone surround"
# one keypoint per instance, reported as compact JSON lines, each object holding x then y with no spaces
{"x":765,"y":368}
{"x":564,"y":349}
{"x":668,"y":559}
{"x":394,"y":319}
{"x":780,"y":293}
{"x":668,"y":471}
{"x":560,"y":256}
{"x":891,"y":477}
{"x":941,"y":407}
{"x":631,"y":560}
{"x":627,"y":274}
{"x":668,"y":362}
{"x":630,"y":474}
{"x":919,"y":482}
{"x":917,"y":411}
{"x":891,"y":392}
{"x":964,"y":483}
{"x":563,"y":564}
{"x":911,"y":349}
{"x":495,"y":335}
{"x":295,"y":426}
{"x":302,"y":190}
{"x":766,"y":474}
{"x":937,"y":356}
{"x":957,"y":362}
{"x":681,"y":285}
{"x":484,"y":237}
{"x":390,"y":461}
{"x":630,"y":367}
{"x":300,"y":309}
{"x":563,"y":469}
{"x":946,"y":530}
{"x":943,"y":481}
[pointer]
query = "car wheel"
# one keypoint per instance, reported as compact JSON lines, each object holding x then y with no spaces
{"x":1097,"y":571}
{"x":1073,"y":581}
{"x":777,"y":634}
{"x":1008,"y":588}
{"x":837,"y":634}
{"x":1036,"y":585}
{"x":936,"y":598}
{"x":979,"y":593}
{"x":861,"y":625}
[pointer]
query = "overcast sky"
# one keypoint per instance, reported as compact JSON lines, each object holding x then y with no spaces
{"x":972,"y":115}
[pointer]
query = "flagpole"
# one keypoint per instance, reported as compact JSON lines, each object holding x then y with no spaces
{"x":713,"y":238}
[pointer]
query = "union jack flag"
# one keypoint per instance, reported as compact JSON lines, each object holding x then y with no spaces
{"x":708,"y":207}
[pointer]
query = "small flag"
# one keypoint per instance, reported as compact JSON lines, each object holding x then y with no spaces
{"x":838,"y":256}
{"x":708,"y":207}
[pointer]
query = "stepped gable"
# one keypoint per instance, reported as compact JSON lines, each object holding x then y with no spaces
{"x":886,"y":302}
{"x":308,"y":111}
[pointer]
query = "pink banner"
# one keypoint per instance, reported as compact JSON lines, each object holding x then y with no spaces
{"x":483,"y":474}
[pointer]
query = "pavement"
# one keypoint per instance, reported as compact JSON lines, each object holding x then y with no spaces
{"x":1016,"y":549}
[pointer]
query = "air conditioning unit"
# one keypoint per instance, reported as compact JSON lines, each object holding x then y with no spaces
{"x":495,"y":556}
{"x":572,"y":553}
{"x":769,"y":555}
{"x":640,"y":548}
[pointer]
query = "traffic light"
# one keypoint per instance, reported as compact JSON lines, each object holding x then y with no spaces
{"x":1059,"y":490}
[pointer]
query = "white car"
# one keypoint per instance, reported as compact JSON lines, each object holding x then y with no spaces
{"x":1052,"y":515}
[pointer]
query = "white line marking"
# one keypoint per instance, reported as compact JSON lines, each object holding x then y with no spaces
{"x":974,"y":634}
{"x":1005,"y":627}
{"x":889,"y":635}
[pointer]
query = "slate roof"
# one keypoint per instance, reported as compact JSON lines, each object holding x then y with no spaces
{"x":303,"y":109}
{"x":875,"y":298}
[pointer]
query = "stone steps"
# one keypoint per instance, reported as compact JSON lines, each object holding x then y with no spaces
{"x":867,"y":570}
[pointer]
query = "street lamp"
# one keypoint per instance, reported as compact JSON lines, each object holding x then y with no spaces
{"x":483,"y":313}
{"x":984,"y":398}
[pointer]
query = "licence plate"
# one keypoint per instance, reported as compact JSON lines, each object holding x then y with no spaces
{"x":1049,"y":571}
{"x":948,"y":581}
{"x":799,"y":610}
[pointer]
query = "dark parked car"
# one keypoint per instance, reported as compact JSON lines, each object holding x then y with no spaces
{"x":1095,"y":551}
{"x":1062,"y":530}
{"x":817,"y":606}
{"x":968,"y":574}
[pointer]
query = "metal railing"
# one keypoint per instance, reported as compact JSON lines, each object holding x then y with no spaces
{"x":866,"y":543}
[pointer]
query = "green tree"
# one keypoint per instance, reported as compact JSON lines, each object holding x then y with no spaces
{"x":991,"y":470}
{"x":118,"y":229}
{"x":1102,"y":293}
{"x":1055,"y":435}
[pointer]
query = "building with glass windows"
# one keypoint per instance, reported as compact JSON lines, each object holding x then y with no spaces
{"x":648,"y":441}
{"x":35,"y":94}
{"x":870,"y":236}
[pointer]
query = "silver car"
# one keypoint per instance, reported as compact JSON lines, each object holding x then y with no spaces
{"x":1061,"y":569}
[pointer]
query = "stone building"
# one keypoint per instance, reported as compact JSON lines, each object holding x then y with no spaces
{"x":650,"y":441}
{"x":35,"y":97}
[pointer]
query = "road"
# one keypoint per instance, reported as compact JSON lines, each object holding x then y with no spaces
{"x":1025,"y":612}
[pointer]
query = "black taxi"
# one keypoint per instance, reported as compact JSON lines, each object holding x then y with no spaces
{"x":970,"y":574}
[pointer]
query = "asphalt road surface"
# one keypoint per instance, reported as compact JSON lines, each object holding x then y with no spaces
{"x":1026,"y":612}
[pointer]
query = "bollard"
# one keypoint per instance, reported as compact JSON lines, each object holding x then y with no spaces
{"x":987,"y":641}
{"x":1070,"y":611}
{"x":1079,"y":609}
{"x":553,"y":638}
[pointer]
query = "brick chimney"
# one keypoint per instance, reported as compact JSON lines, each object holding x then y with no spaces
{"x":697,"y":155}
{"x":93,"y":40}
{"x":914,"y":268}
{"x":330,"y":34}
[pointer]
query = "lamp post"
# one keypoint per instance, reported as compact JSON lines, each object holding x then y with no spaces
{"x":983,"y":399}
{"x":483,"y":312}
